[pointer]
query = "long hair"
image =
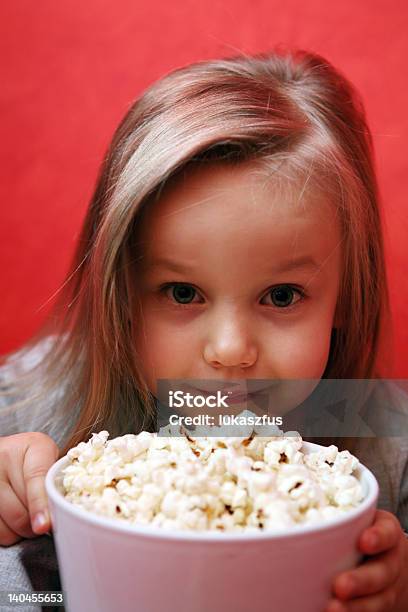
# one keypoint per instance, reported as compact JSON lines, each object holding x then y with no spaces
{"x":293,"y":112}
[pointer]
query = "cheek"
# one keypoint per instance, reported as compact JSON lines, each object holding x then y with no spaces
{"x":301,"y":352}
{"x":163,"y":351}
{"x":298,"y":359}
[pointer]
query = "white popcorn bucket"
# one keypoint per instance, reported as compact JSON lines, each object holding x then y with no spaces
{"x":108,"y":565}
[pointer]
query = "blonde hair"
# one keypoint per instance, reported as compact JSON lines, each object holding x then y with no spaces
{"x":289,"y":109}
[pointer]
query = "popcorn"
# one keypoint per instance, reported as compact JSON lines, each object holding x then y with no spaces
{"x":203,"y":483}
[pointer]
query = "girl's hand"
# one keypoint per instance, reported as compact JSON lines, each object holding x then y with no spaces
{"x":24,"y":461}
{"x":379,"y":584}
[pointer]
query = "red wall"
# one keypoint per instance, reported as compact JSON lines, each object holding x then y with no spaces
{"x":70,"y":70}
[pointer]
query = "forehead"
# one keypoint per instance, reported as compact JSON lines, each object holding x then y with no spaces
{"x":238,"y":206}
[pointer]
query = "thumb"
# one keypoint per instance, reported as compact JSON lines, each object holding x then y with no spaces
{"x":38,"y":459}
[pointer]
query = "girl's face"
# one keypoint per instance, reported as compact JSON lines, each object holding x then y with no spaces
{"x":234,"y":282}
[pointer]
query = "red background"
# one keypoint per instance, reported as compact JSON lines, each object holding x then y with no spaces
{"x":70,"y":70}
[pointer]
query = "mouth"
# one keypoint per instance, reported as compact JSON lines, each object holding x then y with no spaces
{"x":238,"y":398}
{"x":234,"y":395}
{"x":243,"y":388}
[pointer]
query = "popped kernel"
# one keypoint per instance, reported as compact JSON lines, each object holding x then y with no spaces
{"x":242,"y":484}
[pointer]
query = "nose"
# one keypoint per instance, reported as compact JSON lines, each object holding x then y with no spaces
{"x":230,"y":342}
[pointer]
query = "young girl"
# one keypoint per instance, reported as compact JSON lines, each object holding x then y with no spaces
{"x":234,"y":233}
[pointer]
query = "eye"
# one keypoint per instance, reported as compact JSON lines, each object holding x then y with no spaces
{"x":181,"y":293}
{"x":285,"y":296}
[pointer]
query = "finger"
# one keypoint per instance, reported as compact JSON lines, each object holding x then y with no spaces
{"x":382,"y":536}
{"x":16,"y":478}
{"x":14,"y":515}
{"x":381,"y":602}
{"x":370,"y":577}
{"x":37,"y":461}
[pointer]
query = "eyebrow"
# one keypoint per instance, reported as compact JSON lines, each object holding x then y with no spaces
{"x":306,"y":263}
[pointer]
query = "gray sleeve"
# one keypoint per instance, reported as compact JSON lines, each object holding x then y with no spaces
{"x":30,"y":565}
{"x":45,"y":412}
{"x":399,"y":414}
{"x":393,"y":401}
{"x":13,"y":418}
{"x":402,"y":511}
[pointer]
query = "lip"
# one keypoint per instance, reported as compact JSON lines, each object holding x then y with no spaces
{"x":235,"y":396}
{"x":233,"y":393}
{"x":247,"y":387}
{"x":238,"y":398}
{"x":213,"y":387}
